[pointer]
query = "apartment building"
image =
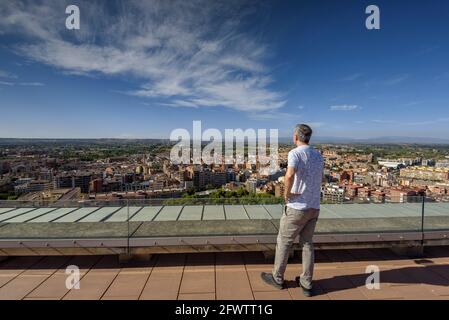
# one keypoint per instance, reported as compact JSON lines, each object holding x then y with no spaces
{"x":425,"y":173}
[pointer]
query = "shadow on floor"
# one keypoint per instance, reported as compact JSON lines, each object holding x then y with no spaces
{"x":429,"y":274}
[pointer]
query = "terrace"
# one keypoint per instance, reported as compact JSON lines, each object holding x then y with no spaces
{"x":216,"y":249}
{"x":339,"y":274}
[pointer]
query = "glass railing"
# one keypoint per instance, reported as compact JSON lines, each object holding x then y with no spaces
{"x":203,"y":217}
{"x":64,"y":219}
{"x":436,"y":214}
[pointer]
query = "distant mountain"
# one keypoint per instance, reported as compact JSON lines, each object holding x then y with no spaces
{"x":380,"y":140}
{"x":413,"y":140}
{"x":105,"y":141}
{"x":287,"y":140}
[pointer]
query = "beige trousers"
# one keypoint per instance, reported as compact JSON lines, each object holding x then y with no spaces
{"x":293,"y":223}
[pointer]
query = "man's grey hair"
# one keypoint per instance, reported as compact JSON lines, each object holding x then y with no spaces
{"x":304,"y":132}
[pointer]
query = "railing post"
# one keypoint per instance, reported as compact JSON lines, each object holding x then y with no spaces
{"x":422,"y":219}
{"x":127,"y":225}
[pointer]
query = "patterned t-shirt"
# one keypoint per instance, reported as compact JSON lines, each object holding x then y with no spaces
{"x":306,"y":188}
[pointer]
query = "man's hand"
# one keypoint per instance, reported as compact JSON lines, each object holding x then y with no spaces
{"x":288,"y":181}
{"x":287,"y":196}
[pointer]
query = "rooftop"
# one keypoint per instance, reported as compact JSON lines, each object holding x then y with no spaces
{"x":340,"y":274}
{"x":216,"y":249}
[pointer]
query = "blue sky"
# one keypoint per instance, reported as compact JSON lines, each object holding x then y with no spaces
{"x":139,"y":69}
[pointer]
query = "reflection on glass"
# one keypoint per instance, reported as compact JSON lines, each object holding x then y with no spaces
{"x":205,"y":217}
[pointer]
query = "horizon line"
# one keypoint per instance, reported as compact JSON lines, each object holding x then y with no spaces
{"x":323,"y":138}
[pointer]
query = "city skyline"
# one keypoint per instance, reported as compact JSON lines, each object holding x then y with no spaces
{"x":143,"y":69}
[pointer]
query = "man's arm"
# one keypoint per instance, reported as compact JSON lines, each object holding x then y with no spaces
{"x":288,"y":182}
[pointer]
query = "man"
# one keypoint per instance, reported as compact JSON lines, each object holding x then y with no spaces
{"x":302,"y":198}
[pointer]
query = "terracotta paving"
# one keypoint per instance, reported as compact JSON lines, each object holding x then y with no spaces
{"x":339,"y":274}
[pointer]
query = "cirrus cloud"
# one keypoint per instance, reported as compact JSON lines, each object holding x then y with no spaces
{"x":177,"y":53}
{"x":344,"y":107}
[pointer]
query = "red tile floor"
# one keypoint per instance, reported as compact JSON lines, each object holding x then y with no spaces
{"x":339,"y":274}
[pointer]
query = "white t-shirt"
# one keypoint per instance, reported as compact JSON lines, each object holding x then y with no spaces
{"x":306,"y":188}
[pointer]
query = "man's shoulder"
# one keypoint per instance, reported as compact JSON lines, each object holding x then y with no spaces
{"x":305,"y":152}
{"x":318,"y":158}
{"x":317,"y":152}
{"x":294,"y":152}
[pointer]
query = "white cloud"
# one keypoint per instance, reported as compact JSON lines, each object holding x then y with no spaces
{"x":413,"y":103}
{"x":181,"y":53}
{"x":391,"y":81}
{"x":261,"y":116}
{"x":413,"y":123}
{"x":7,"y":75}
{"x":27,"y":84}
{"x":396,"y":79}
{"x":31,"y":84}
{"x":180,"y":103}
{"x":12,"y":78}
{"x":351,"y":77}
{"x":344,"y":107}
{"x":384,"y":121}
